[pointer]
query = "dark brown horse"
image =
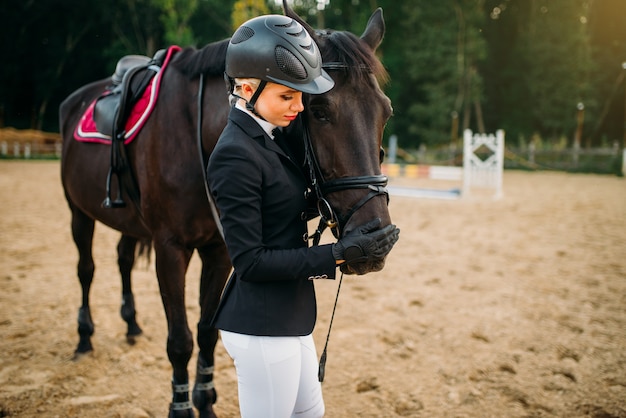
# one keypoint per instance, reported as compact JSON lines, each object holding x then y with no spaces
{"x":345,"y":128}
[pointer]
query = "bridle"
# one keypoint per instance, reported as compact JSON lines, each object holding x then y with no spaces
{"x":329,"y":217}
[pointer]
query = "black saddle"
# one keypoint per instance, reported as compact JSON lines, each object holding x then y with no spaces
{"x":132,"y":75}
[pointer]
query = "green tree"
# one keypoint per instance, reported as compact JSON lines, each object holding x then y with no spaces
{"x":607,"y":32}
{"x":41,"y":57}
{"x":175,"y":18}
{"x":557,"y":44}
{"x":212,"y":21}
{"x":244,"y":10}
{"x":432,"y":51}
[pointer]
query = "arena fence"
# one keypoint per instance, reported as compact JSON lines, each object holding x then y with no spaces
{"x":483,"y":164}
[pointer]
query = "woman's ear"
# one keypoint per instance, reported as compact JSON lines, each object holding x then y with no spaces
{"x":246,"y":91}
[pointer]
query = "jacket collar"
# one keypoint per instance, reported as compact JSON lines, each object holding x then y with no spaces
{"x":254,"y":130}
{"x":267,"y":127}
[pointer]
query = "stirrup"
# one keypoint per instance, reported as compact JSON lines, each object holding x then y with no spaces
{"x":108,"y":203}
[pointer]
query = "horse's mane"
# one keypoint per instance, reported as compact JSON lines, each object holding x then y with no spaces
{"x":209,"y":60}
{"x":355,"y":56}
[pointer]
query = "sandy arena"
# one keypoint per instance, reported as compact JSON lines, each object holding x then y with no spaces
{"x":508,"y":308}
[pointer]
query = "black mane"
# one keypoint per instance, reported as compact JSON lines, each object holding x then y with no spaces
{"x":352,"y":53}
{"x":210,"y":60}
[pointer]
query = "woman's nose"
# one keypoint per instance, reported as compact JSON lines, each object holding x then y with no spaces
{"x":297,"y":104}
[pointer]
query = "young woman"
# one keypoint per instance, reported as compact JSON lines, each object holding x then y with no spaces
{"x":268,"y":309}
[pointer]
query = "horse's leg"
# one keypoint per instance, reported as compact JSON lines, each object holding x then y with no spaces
{"x":82,"y":232}
{"x":126,"y":260}
{"x":215,"y":269}
{"x":172,"y":261}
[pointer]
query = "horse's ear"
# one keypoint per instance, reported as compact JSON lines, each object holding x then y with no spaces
{"x":290,"y":13}
{"x":375,"y":30}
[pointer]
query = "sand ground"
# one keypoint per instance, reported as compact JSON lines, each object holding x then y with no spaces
{"x":508,"y":308}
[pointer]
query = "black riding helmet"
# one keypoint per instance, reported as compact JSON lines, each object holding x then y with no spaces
{"x":276,"y":48}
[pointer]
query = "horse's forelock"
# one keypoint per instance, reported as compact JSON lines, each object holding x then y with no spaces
{"x":210,"y":60}
{"x":348,"y":49}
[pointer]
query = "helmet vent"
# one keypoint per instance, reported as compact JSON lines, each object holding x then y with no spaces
{"x":289,"y":63}
{"x":243,"y":34}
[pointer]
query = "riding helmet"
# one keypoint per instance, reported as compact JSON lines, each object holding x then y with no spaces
{"x":277,"y":48}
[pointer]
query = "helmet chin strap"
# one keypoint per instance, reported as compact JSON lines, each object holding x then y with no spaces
{"x":250,"y":103}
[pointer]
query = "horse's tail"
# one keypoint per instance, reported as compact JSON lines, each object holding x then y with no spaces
{"x":145,"y":250}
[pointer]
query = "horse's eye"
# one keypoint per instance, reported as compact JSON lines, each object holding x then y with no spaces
{"x":320,"y":114}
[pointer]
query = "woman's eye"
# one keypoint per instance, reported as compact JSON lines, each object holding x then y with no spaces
{"x":287,"y":98}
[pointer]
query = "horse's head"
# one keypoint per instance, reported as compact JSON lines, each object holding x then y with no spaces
{"x":346,"y":127}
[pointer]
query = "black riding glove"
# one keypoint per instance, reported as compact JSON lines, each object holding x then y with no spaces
{"x":366,"y":243}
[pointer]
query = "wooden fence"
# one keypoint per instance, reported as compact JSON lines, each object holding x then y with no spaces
{"x":28,"y":143}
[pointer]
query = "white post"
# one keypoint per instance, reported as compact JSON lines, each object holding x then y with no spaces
{"x":4,"y":147}
{"x":467,"y":153}
{"x":16,"y":149}
{"x":27,"y":150}
{"x":479,"y":172}
{"x":499,"y":162}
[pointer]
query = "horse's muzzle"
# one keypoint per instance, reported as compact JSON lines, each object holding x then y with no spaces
{"x":363,"y":267}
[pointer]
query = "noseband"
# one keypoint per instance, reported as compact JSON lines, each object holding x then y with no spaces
{"x":376,"y":184}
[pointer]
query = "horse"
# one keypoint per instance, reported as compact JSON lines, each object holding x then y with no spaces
{"x":172,"y":209}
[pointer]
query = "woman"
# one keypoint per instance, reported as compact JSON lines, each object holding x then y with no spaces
{"x":268,"y":309}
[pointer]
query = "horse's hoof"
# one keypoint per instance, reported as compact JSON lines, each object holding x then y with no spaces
{"x":178,"y":412}
{"x":132,"y":338}
{"x":207,"y":414}
{"x":83,"y":347}
{"x":80,"y":354}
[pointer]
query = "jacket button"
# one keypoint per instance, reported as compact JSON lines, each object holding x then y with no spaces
{"x":305,"y":237}
{"x":324,"y":276}
{"x":303,"y":216}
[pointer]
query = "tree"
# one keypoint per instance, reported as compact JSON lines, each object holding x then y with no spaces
{"x":175,"y":18}
{"x":41,"y":56}
{"x":607,"y":32}
{"x":245,"y":10}
{"x":212,"y":21}
{"x":432,"y":51}
{"x":557,"y":44}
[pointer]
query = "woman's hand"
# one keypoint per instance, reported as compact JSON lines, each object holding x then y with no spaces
{"x":366,"y":243}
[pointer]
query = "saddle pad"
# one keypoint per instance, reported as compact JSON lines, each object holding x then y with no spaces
{"x":86,"y":129}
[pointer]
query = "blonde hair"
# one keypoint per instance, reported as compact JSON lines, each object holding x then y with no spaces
{"x":254,"y":82}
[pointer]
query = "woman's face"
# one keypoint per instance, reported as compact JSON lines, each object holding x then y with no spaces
{"x":278,"y":104}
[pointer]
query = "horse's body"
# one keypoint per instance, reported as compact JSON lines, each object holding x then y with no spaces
{"x":173,"y":210}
